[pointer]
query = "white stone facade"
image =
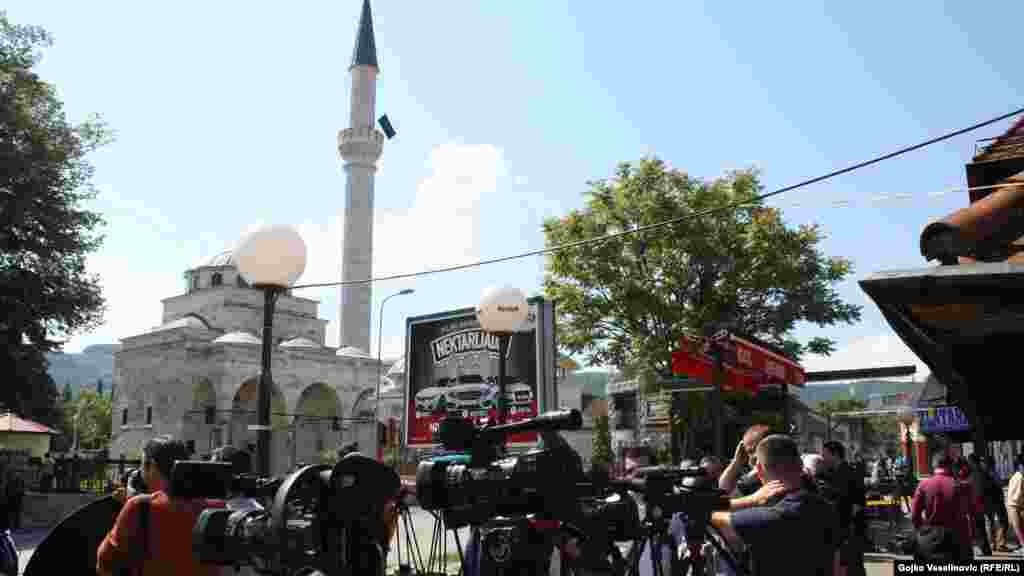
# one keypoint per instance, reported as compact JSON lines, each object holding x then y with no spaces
{"x":208,"y":352}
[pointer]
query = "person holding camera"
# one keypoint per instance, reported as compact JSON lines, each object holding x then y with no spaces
{"x":241,"y":463}
{"x":797,"y":531}
{"x":152,"y":535}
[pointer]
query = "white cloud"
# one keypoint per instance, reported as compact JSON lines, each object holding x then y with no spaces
{"x":446,"y":209}
{"x":883,"y":350}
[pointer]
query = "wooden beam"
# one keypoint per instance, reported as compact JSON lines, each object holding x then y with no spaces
{"x":860,"y":374}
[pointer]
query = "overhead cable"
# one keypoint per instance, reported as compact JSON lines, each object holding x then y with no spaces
{"x":673,"y":221}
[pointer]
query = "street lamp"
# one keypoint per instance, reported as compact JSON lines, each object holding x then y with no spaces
{"x":906,"y":416}
{"x":502,"y":312}
{"x":270,"y":259}
{"x":380,"y":339}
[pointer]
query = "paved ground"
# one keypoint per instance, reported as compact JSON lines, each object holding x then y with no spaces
{"x":423,"y":526}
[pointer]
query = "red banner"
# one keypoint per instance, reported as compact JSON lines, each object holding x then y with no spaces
{"x":747,"y":365}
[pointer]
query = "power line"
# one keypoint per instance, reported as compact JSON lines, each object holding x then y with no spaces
{"x":673,"y":221}
{"x":878,"y":198}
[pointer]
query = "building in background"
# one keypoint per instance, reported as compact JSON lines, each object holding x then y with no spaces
{"x":206,"y":353}
{"x":21,"y":435}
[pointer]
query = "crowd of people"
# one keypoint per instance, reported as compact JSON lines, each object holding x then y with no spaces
{"x":789,"y":513}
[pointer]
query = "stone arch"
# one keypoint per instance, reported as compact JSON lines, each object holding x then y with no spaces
{"x":312,"y":430}
{"x":217,"y":279}
{"x":364,"y":403}
{"x":203,"y":436}
{"x":245,"y":406}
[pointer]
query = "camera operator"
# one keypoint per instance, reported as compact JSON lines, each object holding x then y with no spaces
{"x":159,"y":540}
{"x":241,"y":463}
{"x":797,"y":531}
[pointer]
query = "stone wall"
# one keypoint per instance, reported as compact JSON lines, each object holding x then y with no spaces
{"x":47,"y":510}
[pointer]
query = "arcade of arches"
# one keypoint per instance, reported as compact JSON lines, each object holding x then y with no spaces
{"x":298,"y":436}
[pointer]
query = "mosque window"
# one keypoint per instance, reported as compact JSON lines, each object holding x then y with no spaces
{"x":216,"y":279}
{"x":195,"y":281}
{"x":124,"y":416}
{"x":149,"y":414}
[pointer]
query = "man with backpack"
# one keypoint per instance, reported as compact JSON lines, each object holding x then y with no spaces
{"x":152,"y":535}
{"x":942,"y":514}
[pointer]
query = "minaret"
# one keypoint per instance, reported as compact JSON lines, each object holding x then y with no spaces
{"x":359,"y":145}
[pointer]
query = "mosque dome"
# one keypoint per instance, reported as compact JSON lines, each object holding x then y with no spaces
{"x":353,"y":352}
{"x":398,"y":368}
{"x":299,"y":342}
{"x":190,"y":321}
{"x":238,"y":338}
{"x":225,"y":258}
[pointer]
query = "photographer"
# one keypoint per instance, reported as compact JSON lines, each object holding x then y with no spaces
{"x":797,"y":531}
{"x":153,"y":532}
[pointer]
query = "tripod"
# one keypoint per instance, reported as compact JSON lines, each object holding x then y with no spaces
{"x":406,"y":531}
{"x":656,"y":538}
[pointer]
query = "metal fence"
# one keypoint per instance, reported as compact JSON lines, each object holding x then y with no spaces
{"x":71,"y":474}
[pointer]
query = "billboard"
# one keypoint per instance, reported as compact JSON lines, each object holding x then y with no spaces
{"x":943,"y":419}
{"x":452,"y":368}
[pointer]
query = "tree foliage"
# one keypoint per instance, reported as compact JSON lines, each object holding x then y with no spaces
{"x":93,"y":413}
{"x":46,"y":295}
{"x":627,"y":301}
{"x":880,"y":432}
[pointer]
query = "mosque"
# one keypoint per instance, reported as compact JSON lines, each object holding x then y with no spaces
{"x":196,"y":376}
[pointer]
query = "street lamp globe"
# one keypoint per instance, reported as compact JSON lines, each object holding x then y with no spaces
{"x":502,"y":310}
{"x":271,"y":256}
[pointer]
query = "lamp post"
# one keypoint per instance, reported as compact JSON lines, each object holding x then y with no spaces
{"x":502,"y":312}
{"x":906,"y":416}
{"x":270,"y":259}
{"x":380,"y":339}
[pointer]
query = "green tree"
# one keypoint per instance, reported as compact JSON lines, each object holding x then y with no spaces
{"x":45,"y":232}
{"x":627,"y":302}
{"x":602,"y":442}
{"x":94,"y":420}
{"x":879,"y":432}
{"x":68,"y":395}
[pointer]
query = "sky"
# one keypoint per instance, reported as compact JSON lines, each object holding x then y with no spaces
{"x":226,"y":118}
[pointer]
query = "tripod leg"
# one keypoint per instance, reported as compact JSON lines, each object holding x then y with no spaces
{"x":458,"y":546}
{"x":412,"y":543}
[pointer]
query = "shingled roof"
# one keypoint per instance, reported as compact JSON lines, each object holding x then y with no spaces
{"x":1009,"y":145}
{"x":11,"y":423}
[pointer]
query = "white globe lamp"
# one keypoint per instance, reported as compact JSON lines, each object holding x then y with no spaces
{"x":502,"y":311}
{"x":271,"y":256}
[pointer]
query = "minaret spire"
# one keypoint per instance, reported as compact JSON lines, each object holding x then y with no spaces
{"x":360,"y":146}
{"x":365,"y":51}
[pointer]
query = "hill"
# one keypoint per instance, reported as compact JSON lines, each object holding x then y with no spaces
{"x":84,"y":369}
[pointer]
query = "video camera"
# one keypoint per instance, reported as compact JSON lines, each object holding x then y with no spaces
{"x":321,"y":520}
{"x":474,"y":482}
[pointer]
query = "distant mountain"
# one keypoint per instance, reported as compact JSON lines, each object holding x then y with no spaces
{"x":82,"y":370}
{"x":812,"y":394}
